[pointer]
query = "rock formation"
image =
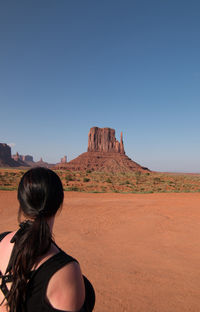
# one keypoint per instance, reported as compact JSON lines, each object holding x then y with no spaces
{"x":27,"y":161}
{"x":23,"y":160}
{"x":27,"y":158}
{"x":63,"y":160}
{"x":103,"y":140}
{"x":104,"y":153}
{"x":17,"y":160}
{"x":5,"y":152}
{"x":5,"y":157}
{"x":41,"y":163}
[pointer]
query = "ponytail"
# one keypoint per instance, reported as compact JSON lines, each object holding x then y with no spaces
{"x":31,"y":241}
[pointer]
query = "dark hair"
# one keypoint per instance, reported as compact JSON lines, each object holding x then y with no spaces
{"x":40,"y":195}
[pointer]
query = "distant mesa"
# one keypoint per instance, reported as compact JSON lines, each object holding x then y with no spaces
{"x":17,"y":160}
{"x":42,"y":163}
{"x":104,"y":153}
{"x":63,"y":160}
{"x":25,"y":158}
{"x":6,"y":159}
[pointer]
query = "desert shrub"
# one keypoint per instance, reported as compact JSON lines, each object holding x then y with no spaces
{"x":137,"y":176}
{"x":86,"y":179}
{"x":156,"y":180}
{"x":103,"y":189}
{"x":13,"y":173}
{"x":73,"y":189}
{"x":170,"y":182}
{"x":88,"y":171}
{"x":69,"y":177}
{"x":94,"y":191}
{"x":108,"y":180}
{"x":4,"y":188}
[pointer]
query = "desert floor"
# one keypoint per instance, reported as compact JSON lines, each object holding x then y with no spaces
{"x":141,"y":252}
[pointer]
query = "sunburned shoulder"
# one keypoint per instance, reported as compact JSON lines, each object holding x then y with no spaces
{"x":66,"y":290}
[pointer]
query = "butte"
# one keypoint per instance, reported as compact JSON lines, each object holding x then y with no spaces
{"x":104,"y":153}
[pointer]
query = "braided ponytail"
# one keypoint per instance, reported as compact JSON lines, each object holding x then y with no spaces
{"x":40,"y":195}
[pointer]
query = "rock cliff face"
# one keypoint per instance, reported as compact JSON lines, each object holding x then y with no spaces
{"x":5,"y":157}
{"x":104,"y":153}
{"x":103,"y":140}
{"x":25,"y":158}
{"x":17,"y":160}
{"x":63,"y":160}
{"x":5,"y":151}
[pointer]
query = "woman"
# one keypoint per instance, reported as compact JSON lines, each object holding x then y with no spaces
{"x":35,"y":274}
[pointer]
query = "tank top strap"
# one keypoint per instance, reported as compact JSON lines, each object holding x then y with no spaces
{"x":2,"y":235}
{"x":47,"y":269}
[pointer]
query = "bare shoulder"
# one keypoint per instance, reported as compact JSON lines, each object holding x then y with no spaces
{"x":3,"y":309}
{"x":5,"y":249}
{"x":66,"y":290}
{"x":5,"y":243}
{"x":7,"y":238}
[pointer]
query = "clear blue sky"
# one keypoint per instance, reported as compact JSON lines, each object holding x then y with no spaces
{"x":67,"y":65}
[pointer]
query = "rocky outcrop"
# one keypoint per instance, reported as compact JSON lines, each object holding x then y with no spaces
{"x":103,"y":140}
{"x":5,"y":152}
{"x":27,"y":161}
{"x":25,"y":158}
{"x":5,"y":157}
{"x":42,"y":163}
{"x":63,"y":160}
{"x":17,"y":160}
{"x":104,"y":153}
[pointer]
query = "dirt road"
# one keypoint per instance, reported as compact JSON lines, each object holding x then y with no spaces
{"x":141,"y":252}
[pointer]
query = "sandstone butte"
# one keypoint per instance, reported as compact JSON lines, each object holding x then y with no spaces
{"x":104,"y":153}
{"x":7,"y":160}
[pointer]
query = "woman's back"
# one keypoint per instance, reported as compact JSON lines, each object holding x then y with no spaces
{"x":55,"y":284}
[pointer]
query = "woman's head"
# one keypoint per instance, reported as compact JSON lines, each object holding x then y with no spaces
{"x":40,"y":193}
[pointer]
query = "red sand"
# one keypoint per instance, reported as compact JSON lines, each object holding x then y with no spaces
{"x":141,"y":252}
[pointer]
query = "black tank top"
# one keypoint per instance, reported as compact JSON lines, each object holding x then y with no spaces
{"x":37,"y":286}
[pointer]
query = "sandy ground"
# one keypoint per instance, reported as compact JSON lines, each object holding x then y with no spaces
{"x":141,"y":252}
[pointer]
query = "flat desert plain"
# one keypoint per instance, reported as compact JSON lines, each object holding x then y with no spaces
{"x":141,"y":251}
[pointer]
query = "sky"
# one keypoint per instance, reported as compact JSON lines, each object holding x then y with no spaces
{"x":130,"y":65}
